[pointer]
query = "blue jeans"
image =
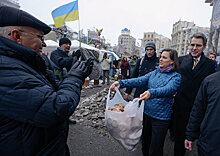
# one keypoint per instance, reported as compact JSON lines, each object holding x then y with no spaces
{"x":153,"y":135}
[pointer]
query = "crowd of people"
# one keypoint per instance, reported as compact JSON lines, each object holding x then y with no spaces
{"x":38,"y":95}
{"x":180,"y":94}
{"x":123,"y":67}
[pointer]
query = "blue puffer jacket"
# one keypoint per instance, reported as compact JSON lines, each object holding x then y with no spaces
{"x":162,"y":87}
{"x":32,"y":111}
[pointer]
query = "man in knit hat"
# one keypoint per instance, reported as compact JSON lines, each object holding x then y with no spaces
{"x":33,"y":110}
{"x":143,"y":66}
{"x":60,"y":59}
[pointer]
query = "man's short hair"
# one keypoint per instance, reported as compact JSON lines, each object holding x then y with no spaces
{"x":10,"y":16}
{"x":200,"y":35}
{"x":212,"y":54}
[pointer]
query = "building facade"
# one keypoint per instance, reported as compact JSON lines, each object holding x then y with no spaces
{"x":181,"y":33}
{"x":11,"y":3}
{"x":160,"y":40}
{"x":214,"y":41}
{"x":126,"y":43}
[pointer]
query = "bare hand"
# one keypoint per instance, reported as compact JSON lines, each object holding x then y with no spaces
{"x":115,"y":84}
{"x":145,"y":96}
{"x":188,"y":145}
{"x":126,"y":96}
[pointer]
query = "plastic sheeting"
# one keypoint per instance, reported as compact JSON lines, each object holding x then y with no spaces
{"x":96,"y":71}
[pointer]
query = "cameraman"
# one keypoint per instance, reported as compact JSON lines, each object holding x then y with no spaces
{"x":105,"y":68}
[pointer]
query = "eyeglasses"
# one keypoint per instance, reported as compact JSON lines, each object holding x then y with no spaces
{"x":41,"y":37}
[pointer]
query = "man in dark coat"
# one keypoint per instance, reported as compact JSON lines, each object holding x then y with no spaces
{"x":33,"y":111}
{"x":193,"y":69}
{"x":204,"y":123}
{"x":143,"y":66}
{"x":60,"y":59}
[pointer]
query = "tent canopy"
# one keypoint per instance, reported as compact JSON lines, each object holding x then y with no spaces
{"x":51,"y":43}
{"x":110,"y":53}
{"x":75,"y":44}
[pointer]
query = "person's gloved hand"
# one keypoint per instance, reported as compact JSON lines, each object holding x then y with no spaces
{"x":75,"y":59}
{"x":81,"y":69}
{"x":77,"y":54}
{"x":90,"y":63}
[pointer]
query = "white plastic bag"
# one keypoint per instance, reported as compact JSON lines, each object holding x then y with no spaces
{"x":125,"y":127}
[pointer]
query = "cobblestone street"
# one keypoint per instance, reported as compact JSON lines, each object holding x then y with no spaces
{"x":90,"y":137}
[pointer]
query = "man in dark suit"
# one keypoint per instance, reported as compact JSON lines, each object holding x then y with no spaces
{"x":193,"y":69}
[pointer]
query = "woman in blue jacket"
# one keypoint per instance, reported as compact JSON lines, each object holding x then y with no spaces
{"x":162,"y":84}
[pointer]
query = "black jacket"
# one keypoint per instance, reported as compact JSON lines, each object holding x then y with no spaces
{"x":32,"y":111}
{"x":190,"y":83}
{"x":61,"y":59}
{"x":204,"y":123}
{"x":148,"y":65}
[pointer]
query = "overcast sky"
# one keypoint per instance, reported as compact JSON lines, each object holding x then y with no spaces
{"x":137,"y":15}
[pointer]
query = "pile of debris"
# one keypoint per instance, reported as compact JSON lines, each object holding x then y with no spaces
{"x":91,"y":111}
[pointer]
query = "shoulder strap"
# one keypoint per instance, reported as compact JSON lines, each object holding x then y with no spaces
{"x":54,"y":65}
{"x":141,"y":62}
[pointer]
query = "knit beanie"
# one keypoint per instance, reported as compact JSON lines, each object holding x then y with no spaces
{"x":64,"y":41}
{"x":150,"y":44}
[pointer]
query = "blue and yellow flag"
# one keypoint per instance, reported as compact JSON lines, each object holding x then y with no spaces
{"x":65,"y":13}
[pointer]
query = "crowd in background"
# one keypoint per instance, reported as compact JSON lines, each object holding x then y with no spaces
{"x":121,"y":68}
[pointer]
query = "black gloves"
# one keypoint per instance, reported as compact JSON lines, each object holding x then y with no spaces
{"x":77,"y":54}
{"x":75,"y":59}
{"x":89,"y":64}
{"x":81,"y":69}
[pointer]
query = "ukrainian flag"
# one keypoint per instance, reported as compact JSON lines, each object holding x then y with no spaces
{"x":65,"y":13}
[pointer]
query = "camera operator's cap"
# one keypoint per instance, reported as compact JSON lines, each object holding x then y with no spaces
{"x":10,"y":16}
{"x":150,"y":44}
{"x":64,"y":40}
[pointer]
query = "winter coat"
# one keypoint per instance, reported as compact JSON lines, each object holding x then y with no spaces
{"x":191,"y":80}
{"x":204,"y":123}
{"x":61,"y":59}
{"x":50,"y":71}
{"x":132,"y":63}
{"x":106,"y":64}
{"x":32,"y":111}
{"x":147,"y":65}
{"x":124,"y":68}
{"x":61,"y":63}
{"x":162,"y":86}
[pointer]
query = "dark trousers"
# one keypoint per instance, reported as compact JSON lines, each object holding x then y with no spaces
{"x":179,"y":147}
{"x":153,"y":136}
{"x":179,"y":134}
{"x":201,"y":152}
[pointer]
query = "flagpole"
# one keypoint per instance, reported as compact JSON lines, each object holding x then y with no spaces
{"x":79,"y":28}
{"x":79,"y":35}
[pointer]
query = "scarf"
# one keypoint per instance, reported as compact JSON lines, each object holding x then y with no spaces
{"x":168,"y":68}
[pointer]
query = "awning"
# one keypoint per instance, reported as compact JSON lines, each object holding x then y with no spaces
{"x":110,"y":53}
